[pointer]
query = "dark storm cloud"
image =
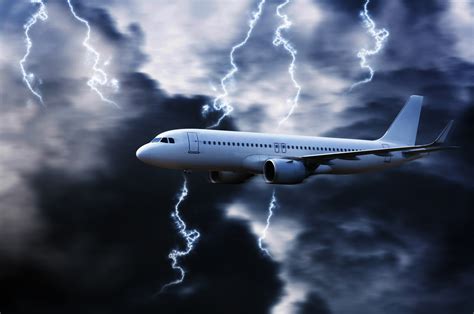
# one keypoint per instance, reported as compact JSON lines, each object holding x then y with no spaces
{"x":395,"y":242}
{"x":109,"y":235}
{"x":314,"y":305}
{"x":368,"y":253}
{"x":105,"y":230}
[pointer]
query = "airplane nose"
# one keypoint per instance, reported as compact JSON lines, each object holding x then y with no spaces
{"x":144,"y":153}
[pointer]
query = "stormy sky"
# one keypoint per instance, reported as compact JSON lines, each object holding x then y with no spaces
{"x":85,"y":227}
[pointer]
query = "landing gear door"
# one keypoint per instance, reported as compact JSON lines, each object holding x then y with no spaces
{"x":388,"y":158}
{"x":193,"y":141}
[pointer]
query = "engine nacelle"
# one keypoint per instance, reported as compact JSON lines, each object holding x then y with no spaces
{"x":228,"y":177}
{"x":284,"y":171}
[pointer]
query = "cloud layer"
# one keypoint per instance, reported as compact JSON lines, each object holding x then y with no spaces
{"x":85,"y":227}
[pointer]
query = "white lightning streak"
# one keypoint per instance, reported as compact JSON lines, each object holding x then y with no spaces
{"x":41,"y":14}
{"x":279,"y":40}
{"x":99,"y":77}
{"x":271,"y":207}
{"x":380,"y":36}
{"x":221,"y":102}
{"x":190,"y":236}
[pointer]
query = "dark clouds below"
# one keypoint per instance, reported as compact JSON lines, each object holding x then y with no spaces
{"x":392,"y":242}
{"x":108,"y":235}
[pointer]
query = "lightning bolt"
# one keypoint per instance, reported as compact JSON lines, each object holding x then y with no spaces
{"x":221,"y":103}
{"x":279,"y":40}
{"x":271,"y":207}
{"x":28,"y":77}
{"x":99,"y":77}
{"x":190,"y":236}
{"x":380,"y":36}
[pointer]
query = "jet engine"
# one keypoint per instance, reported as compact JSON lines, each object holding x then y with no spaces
{"x":228,"y":177}
{"x":284,"y":171}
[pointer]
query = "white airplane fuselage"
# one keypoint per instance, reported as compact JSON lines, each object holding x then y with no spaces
{"x":233,"y":157}
{"x":194,"y":149}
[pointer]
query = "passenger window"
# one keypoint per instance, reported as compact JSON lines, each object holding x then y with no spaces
{"x":171,"y":140}
{"x":164,"y":140}
{"x":214,"y":142}
{"x":265,"y":145}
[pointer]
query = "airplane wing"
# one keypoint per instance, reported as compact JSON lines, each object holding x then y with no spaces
{"x":408,"y":151}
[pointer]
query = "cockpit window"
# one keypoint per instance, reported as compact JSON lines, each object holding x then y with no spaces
{"x":163,"y":140}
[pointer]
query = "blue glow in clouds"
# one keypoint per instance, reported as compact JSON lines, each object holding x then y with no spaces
{"x":279,"y":40}
{"x":28,"y":77}
{"x":221,"y":103}
{"x":380,"y":36}
{"x":190,"y":236}
{"x":271,"y":207}
{"x":99,"y":77}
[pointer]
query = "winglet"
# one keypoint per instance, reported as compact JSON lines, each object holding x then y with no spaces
{"x":442,"y":136}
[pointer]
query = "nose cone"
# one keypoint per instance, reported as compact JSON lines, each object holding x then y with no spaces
{"x":144,"y":153}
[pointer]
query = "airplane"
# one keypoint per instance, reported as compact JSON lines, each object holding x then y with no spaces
{"x":234,"y":157}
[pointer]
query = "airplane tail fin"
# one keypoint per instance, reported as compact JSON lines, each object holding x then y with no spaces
{"x":404,"y":128}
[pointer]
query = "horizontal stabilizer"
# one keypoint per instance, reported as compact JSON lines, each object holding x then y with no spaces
{"x":442,"y":136}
